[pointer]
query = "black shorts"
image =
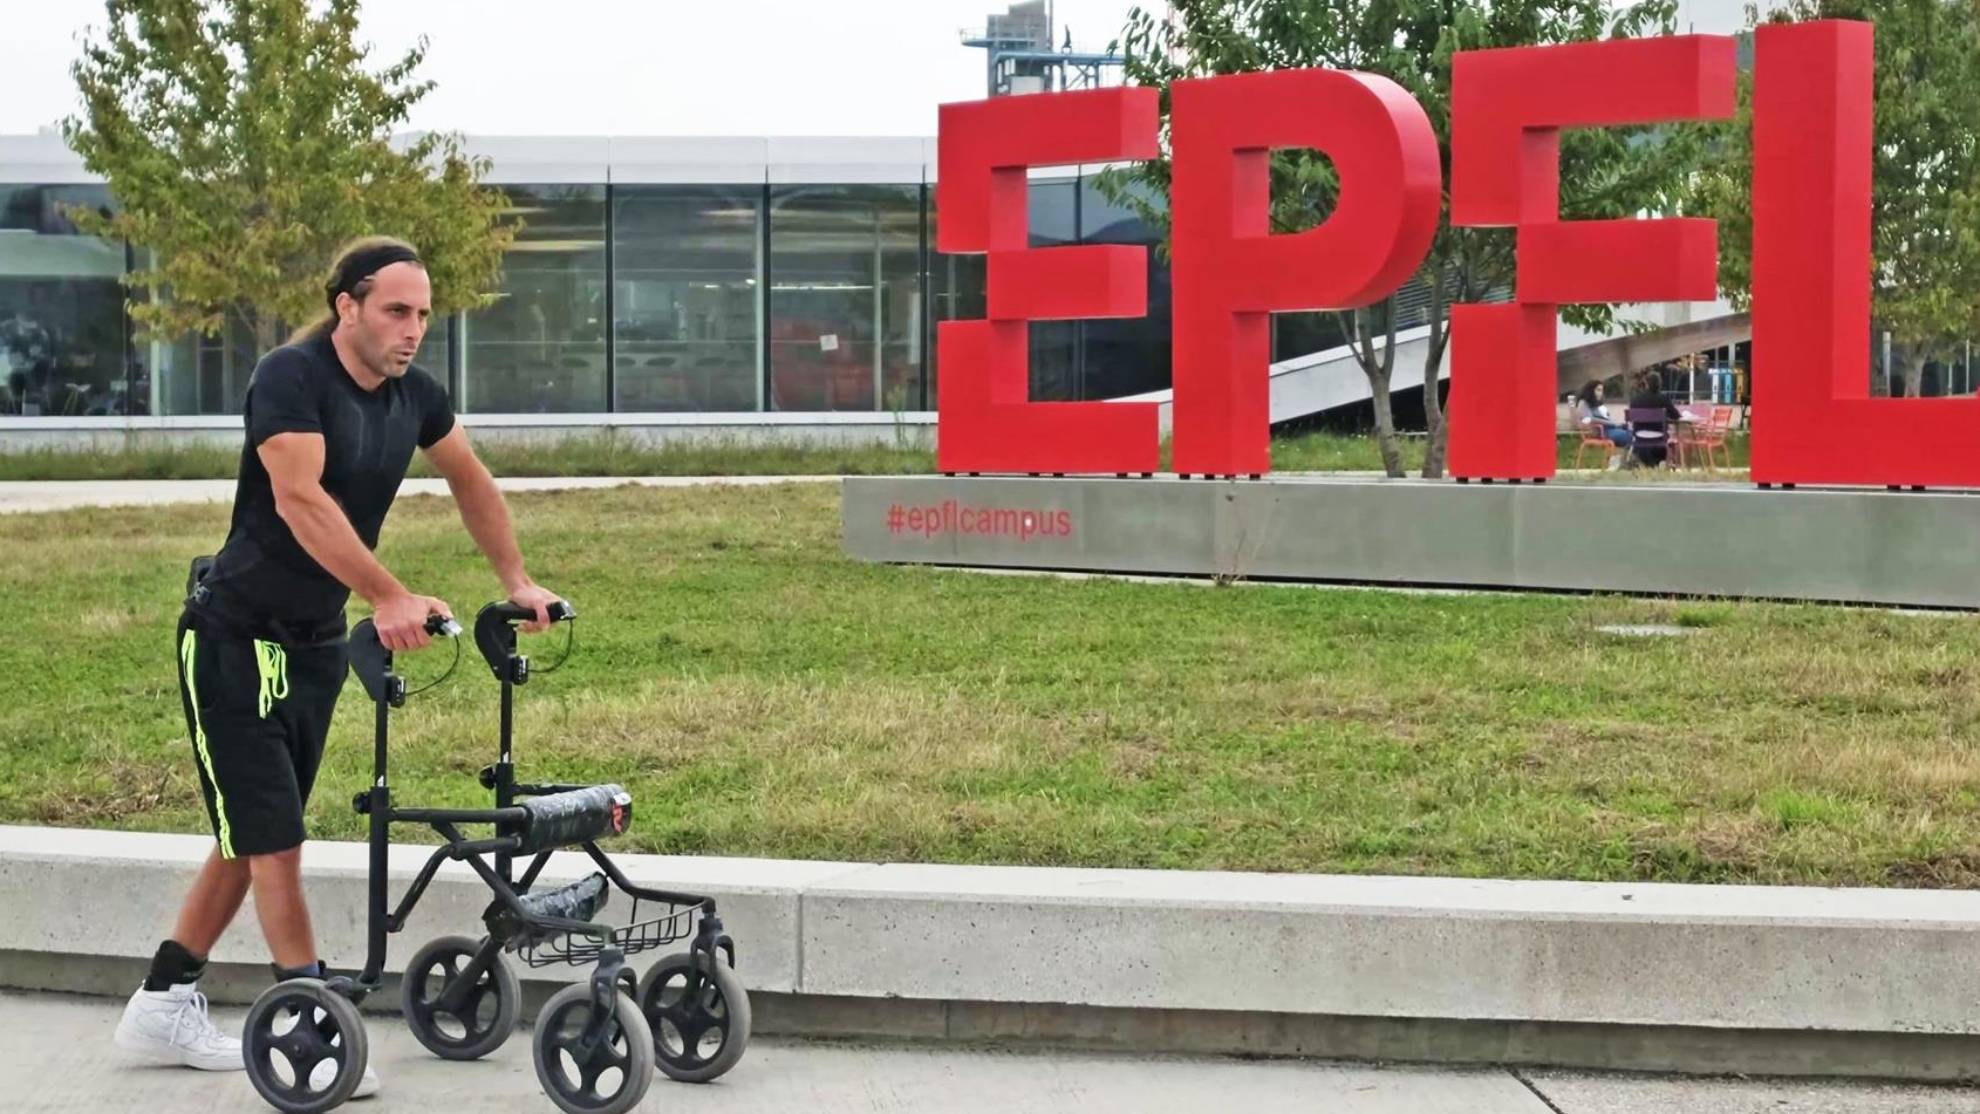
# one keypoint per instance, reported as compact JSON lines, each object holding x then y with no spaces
{"x":258,"y":713}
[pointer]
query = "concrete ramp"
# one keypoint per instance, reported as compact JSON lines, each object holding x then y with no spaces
{"x":1327,"y":380}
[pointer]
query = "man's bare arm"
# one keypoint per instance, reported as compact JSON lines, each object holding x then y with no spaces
{"x":483,"y":510}
{"x":486,"y":515}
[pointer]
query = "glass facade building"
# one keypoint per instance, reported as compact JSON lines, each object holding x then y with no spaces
{"x":650,"y":277}
{"x":64,"y":337}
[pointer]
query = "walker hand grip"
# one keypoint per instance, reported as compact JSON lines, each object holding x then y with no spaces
{"x":370,"y":660}
{"x":516,"y":613}
{"x":495,"y":633}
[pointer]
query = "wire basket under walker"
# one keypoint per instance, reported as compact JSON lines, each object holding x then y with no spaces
{"x":673,"y":925}
{"x":654,"y":923}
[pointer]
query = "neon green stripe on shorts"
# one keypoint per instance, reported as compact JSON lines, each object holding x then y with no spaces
{"x":187,"y":647}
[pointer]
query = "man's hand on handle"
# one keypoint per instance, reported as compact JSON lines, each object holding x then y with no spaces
{"x":538,"y":598}
{"x":401,"y":621}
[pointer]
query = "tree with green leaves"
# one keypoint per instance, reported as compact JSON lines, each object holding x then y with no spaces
{"x":1605,"y":173}
{"x":1925,"y":175}
{"x":244,"y":142}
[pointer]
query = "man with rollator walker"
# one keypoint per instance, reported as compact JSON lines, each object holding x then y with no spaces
{"x":332,"y":419}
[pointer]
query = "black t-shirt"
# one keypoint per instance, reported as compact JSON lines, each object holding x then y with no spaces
{"x":263,"y":573}
{"x":1655,"y":400}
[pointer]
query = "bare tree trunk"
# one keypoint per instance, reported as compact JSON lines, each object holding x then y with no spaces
{"x":1362,"y":343}
{"x":1433,"y":361}
{"x":1911,"y":358}
{"x":267,"y":331}
{"x":1385,"y":425}
{"x":1380,"y":370}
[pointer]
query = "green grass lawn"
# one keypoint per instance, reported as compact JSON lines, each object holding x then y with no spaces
{"x":761,"y":694}
{"x":612,"y":455}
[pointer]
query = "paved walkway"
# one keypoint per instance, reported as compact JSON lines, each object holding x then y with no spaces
{"x":55,"y":1054}
{"x":18,"y":496}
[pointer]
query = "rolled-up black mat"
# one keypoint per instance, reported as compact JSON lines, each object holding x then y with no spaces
{"x":575,"y":816}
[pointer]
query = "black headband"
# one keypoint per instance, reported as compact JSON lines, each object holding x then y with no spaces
{"x":361,"y":265}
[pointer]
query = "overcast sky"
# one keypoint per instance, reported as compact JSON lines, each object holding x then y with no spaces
{"x":649,"y":67}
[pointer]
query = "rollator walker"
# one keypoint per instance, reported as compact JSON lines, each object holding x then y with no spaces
{"x":596,"y":1041}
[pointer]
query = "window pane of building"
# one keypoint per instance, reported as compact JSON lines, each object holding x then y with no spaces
{"x":436,"y":352}
{"x":685,"y":296}
{"x":198,"y":374}
{"x":62,"y":335}
{"x":845,"y":297}
{"x":1054,"y":222}
{"x":1129,"y":355}
{"x":956,"y":286}
{"x":541,"y":347}
{"x":1301,"y":334}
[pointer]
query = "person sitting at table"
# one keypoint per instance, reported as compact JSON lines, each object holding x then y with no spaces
{"x":1652,"y":442}
{"x":1590,"y":411}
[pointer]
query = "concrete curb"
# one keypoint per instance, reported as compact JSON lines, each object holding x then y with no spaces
{"x":1206,"y":961}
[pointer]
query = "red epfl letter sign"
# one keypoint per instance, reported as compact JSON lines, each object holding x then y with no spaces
{"x":987,"y":423}
{"x":1230,"y":272}
{"x":1812,"y":134}
{"x":1814,"y":420}
{"x":1507,"y":109}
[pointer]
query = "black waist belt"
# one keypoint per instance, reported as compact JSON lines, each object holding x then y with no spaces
{"x":239,"y":620}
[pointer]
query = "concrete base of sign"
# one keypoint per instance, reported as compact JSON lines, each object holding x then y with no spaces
{"x":1905,"y":548}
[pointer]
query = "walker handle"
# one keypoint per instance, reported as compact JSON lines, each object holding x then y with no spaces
{"x":495,"y":633}
{"x":372,"y":662}
{"x":559,"y":610}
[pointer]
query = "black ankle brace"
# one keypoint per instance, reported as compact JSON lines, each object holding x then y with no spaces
{"x":173,"y":966}
{"x":315,"y":970}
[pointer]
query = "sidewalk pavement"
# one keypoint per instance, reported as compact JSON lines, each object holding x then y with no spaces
{"x":20,"y":496}
{"x":23,"y":496}
{"x":56,"y":1054}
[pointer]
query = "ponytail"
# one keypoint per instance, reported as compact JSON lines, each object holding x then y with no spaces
{"x":352,"y":273}
{"x":322,"y":326}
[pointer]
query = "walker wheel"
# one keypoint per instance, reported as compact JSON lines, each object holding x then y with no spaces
{"x":305,"y":1046}
{"x":455,"y":1021}
{"x":612,"y":1075}
{"x":699,"y":1014}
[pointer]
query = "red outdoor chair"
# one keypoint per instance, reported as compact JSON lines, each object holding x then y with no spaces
{"x":1593,"y":436}
{"x":1709,"y":436}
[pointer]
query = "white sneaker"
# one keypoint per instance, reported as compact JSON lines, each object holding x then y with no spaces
{"x":319,"y":1079}
{"x":173,"y":1027}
